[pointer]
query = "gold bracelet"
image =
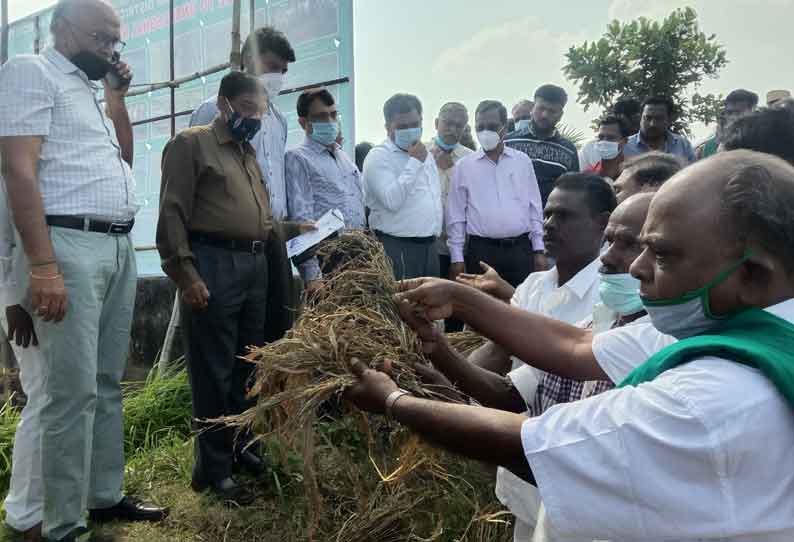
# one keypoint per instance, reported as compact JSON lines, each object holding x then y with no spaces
{"x":42,"y":264}
{"x":48,"y":277}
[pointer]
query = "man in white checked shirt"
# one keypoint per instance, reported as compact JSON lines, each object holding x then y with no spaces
{"x":66,"y":162}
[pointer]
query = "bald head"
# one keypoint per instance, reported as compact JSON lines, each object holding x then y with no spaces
{"x":730,"y":210}
{"x":77,"y":23}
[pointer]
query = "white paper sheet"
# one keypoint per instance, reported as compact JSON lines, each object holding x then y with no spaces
{"x":330,"y":222}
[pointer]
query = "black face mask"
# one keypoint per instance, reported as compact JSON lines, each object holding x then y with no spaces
{"x":94,"y":66}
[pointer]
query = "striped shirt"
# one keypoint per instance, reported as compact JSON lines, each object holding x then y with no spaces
{"x":81,"y":169}
{"x":270,"y":142}
{"x":551,"y":157}
{"x":318,"y":181}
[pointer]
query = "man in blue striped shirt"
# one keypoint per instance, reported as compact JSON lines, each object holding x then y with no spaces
{"x":320,"y":176}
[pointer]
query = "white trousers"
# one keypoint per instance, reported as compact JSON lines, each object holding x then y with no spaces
{"x":24,"y":502}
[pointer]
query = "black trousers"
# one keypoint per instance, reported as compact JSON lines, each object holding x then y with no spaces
{"x":513,"y":261}
{"x":233,"y":320}
{"x":410,"y":259}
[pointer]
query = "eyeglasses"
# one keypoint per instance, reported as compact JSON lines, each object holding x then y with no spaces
{"x":101,"y":39}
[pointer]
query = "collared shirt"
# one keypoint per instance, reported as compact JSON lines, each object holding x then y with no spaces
{"x":81,"y":170}
{"x":551,"y":156}
{"x":270,"y":143}
{"x":571,"y":302}
{"x":497,"y":200}
{"x":319,"y":180}
{"x":211,"y":184}
{"x":402,"y":193}
{"x":674,"y":144}
{"x":444,"y":178}
{"x":698,"y":453}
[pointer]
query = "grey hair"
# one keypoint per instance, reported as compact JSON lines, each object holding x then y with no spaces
{"x":757,"y":203}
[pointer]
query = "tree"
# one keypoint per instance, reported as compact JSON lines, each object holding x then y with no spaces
{"x":646,"y":58}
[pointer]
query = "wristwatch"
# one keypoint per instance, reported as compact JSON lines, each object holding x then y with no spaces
{"x":391,"y":399}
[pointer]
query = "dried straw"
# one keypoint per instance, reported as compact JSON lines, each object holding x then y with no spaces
{"x":353,"y":316}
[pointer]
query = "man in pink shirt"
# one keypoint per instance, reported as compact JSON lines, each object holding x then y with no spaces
{"x":494,"y":210}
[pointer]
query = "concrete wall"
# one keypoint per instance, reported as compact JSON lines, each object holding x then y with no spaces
{"x":153,"y":305}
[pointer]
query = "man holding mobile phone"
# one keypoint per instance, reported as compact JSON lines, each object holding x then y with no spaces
{"x":66,"y":161}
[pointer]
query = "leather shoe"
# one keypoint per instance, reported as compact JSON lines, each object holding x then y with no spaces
{"x":228,"y":490}
{"x":249,"y":462}
{"x":31,"y":535}
{"x":128,"y":509}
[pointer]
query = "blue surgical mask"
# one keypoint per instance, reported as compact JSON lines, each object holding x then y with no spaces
{"x":690,"y":314}
{"x":441,"y":144}
{"x":522,"y":125}
{"x":405,"y":137}
{"x":324,"y":133}
{"x":242,"y":129}
{"x":620,"y":293}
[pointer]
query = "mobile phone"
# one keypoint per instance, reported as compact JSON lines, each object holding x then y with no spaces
{"x":115,"y":80}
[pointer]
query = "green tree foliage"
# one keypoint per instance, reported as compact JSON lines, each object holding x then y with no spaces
{"x":645,"y":58}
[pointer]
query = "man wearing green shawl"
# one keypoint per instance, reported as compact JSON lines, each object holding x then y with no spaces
{"x":698,"y":441}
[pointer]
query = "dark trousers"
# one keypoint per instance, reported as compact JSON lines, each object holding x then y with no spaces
{"x":214,"y":337}
{"x":513,"y":260}
{"x":411,"y":258}
{"x":451,"y":325}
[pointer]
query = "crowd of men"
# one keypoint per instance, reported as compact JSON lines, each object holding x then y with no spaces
{"x":577,"y":266}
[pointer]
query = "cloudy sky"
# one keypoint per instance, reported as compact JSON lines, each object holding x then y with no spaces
{"x":445,"y":50}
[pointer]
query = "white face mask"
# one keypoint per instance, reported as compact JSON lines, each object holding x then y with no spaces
{"x":273,"y":83}
{"x":488,"y":139}
{"x":607,"y":150}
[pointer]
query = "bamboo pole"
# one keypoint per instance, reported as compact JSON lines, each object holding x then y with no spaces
{"x":234,"y":56}
{"x":4,"y":33}
{"x":177,"y":82}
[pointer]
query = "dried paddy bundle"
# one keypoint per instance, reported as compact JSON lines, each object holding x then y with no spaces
{"x":465,"y":342}
{"x":353,"y":316}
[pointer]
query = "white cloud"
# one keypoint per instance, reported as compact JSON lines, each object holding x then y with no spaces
{"x":523,"y":43}
{"x":626,"y":10}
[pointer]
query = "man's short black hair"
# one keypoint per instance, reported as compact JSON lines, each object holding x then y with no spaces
{"x":768,"y":130}
{"x":490,"y":105}
{"x":599,"y":193}
{"x":627,"y":107}
{"x":742,"y":96}
{"x":306,"y":99}
{"x":235,"y":83}
{"x":267,"y":38}
{"x":613,"y":119}
{"x":661,"y":100}
{"x":401,"y":103}
{"x":652,"y":169}
{"x":553,"y":94}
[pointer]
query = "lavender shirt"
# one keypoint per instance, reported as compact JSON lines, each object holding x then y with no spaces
{"x":496,"y":200}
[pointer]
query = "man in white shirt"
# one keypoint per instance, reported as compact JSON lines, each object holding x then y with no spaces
{"x":66,"y":163}
{"x":403,"y":193}
{"x":575,"y":217}
{"x":675,"y":457}
{"x":447,"y":150}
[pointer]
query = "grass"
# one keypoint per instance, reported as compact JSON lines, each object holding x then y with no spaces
{"x":446,"y":499}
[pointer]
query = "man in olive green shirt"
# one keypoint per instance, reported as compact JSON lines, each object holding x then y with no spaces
{"x":215,"y":236}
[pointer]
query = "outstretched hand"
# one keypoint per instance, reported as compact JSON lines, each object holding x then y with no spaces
{"x":433,"y":297}
{"x":371,"y":390}
{"x":489,"y":282}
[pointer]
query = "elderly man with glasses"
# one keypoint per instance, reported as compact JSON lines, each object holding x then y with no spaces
{"x":67,"y":167}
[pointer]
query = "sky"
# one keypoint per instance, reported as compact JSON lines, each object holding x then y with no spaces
{"x":467,"y":50}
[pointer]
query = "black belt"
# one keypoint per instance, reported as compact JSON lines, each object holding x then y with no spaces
{"x":417,"y":240}
{"x":506,"y":242}
{"x":89,"y":224}
{"x":252,"y":247}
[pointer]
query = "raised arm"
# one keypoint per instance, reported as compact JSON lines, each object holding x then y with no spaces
{"x":557,"y":347}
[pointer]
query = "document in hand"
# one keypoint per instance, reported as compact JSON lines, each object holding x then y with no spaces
{"x":329,"y":223}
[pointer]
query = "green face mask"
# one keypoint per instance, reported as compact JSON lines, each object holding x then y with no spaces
{"x":689,"y":314}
